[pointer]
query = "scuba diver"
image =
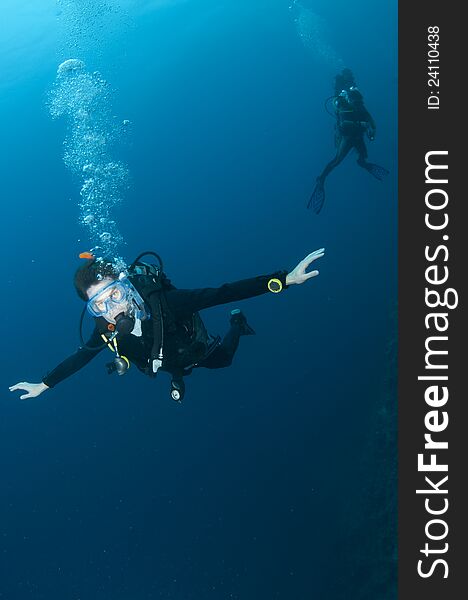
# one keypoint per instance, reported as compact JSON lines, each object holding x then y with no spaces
{"x":353,"y":120}
{"x":143,"y":319}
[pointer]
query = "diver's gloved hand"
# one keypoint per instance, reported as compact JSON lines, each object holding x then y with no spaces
{"x":299,"y":274}
{"x":33,"y":389}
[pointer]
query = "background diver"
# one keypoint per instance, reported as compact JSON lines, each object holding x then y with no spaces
{"x":353,"y":120}
{"x":144,"y":319}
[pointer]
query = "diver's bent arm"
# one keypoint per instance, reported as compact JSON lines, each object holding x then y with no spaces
{"x":370,"y":119}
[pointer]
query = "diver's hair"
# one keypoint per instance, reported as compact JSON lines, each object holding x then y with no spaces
{"x":91,"y":272}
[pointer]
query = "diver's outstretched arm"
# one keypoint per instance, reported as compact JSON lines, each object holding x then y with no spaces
{"x":70,"y":365}
{"x":184,"y":303}
{"x":32,"y":389}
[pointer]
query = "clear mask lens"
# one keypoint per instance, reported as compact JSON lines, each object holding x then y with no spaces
{"x":108,"y":298}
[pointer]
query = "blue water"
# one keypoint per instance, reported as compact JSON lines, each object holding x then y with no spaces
{"x":276,"y":477}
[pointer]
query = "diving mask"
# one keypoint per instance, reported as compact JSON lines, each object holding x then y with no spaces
{"x":117,"y":294}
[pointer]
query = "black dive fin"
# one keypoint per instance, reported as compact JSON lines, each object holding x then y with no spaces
{"x":318,"y":197}
{"x":377,"y":171}
{"x":238,"y":318}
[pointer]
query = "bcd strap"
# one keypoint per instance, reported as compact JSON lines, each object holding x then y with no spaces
{"x":148,"y":280}
{"x":156,"y":358}
{"x":152,"y":284}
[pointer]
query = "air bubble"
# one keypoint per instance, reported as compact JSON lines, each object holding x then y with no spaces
{"x":69,"y":66}
{"x":314,"y":34}
{"x":84,"y":99}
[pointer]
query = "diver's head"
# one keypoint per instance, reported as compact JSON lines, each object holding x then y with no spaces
{"x":344,"y":80}
{"x":347,"y":75}
{"x":92,"y":272}
{"x":109,"y":293}
{"x":110,"y":299}
{"x":102,"y":286}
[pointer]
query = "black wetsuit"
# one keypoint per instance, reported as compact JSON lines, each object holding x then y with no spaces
{"x":182,"y":304}
{"x":352,"y":121}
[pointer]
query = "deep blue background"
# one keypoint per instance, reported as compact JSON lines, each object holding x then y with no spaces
{"x":109,"y":489}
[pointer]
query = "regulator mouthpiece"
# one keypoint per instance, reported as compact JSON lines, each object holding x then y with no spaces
{"x":124,"y":324}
